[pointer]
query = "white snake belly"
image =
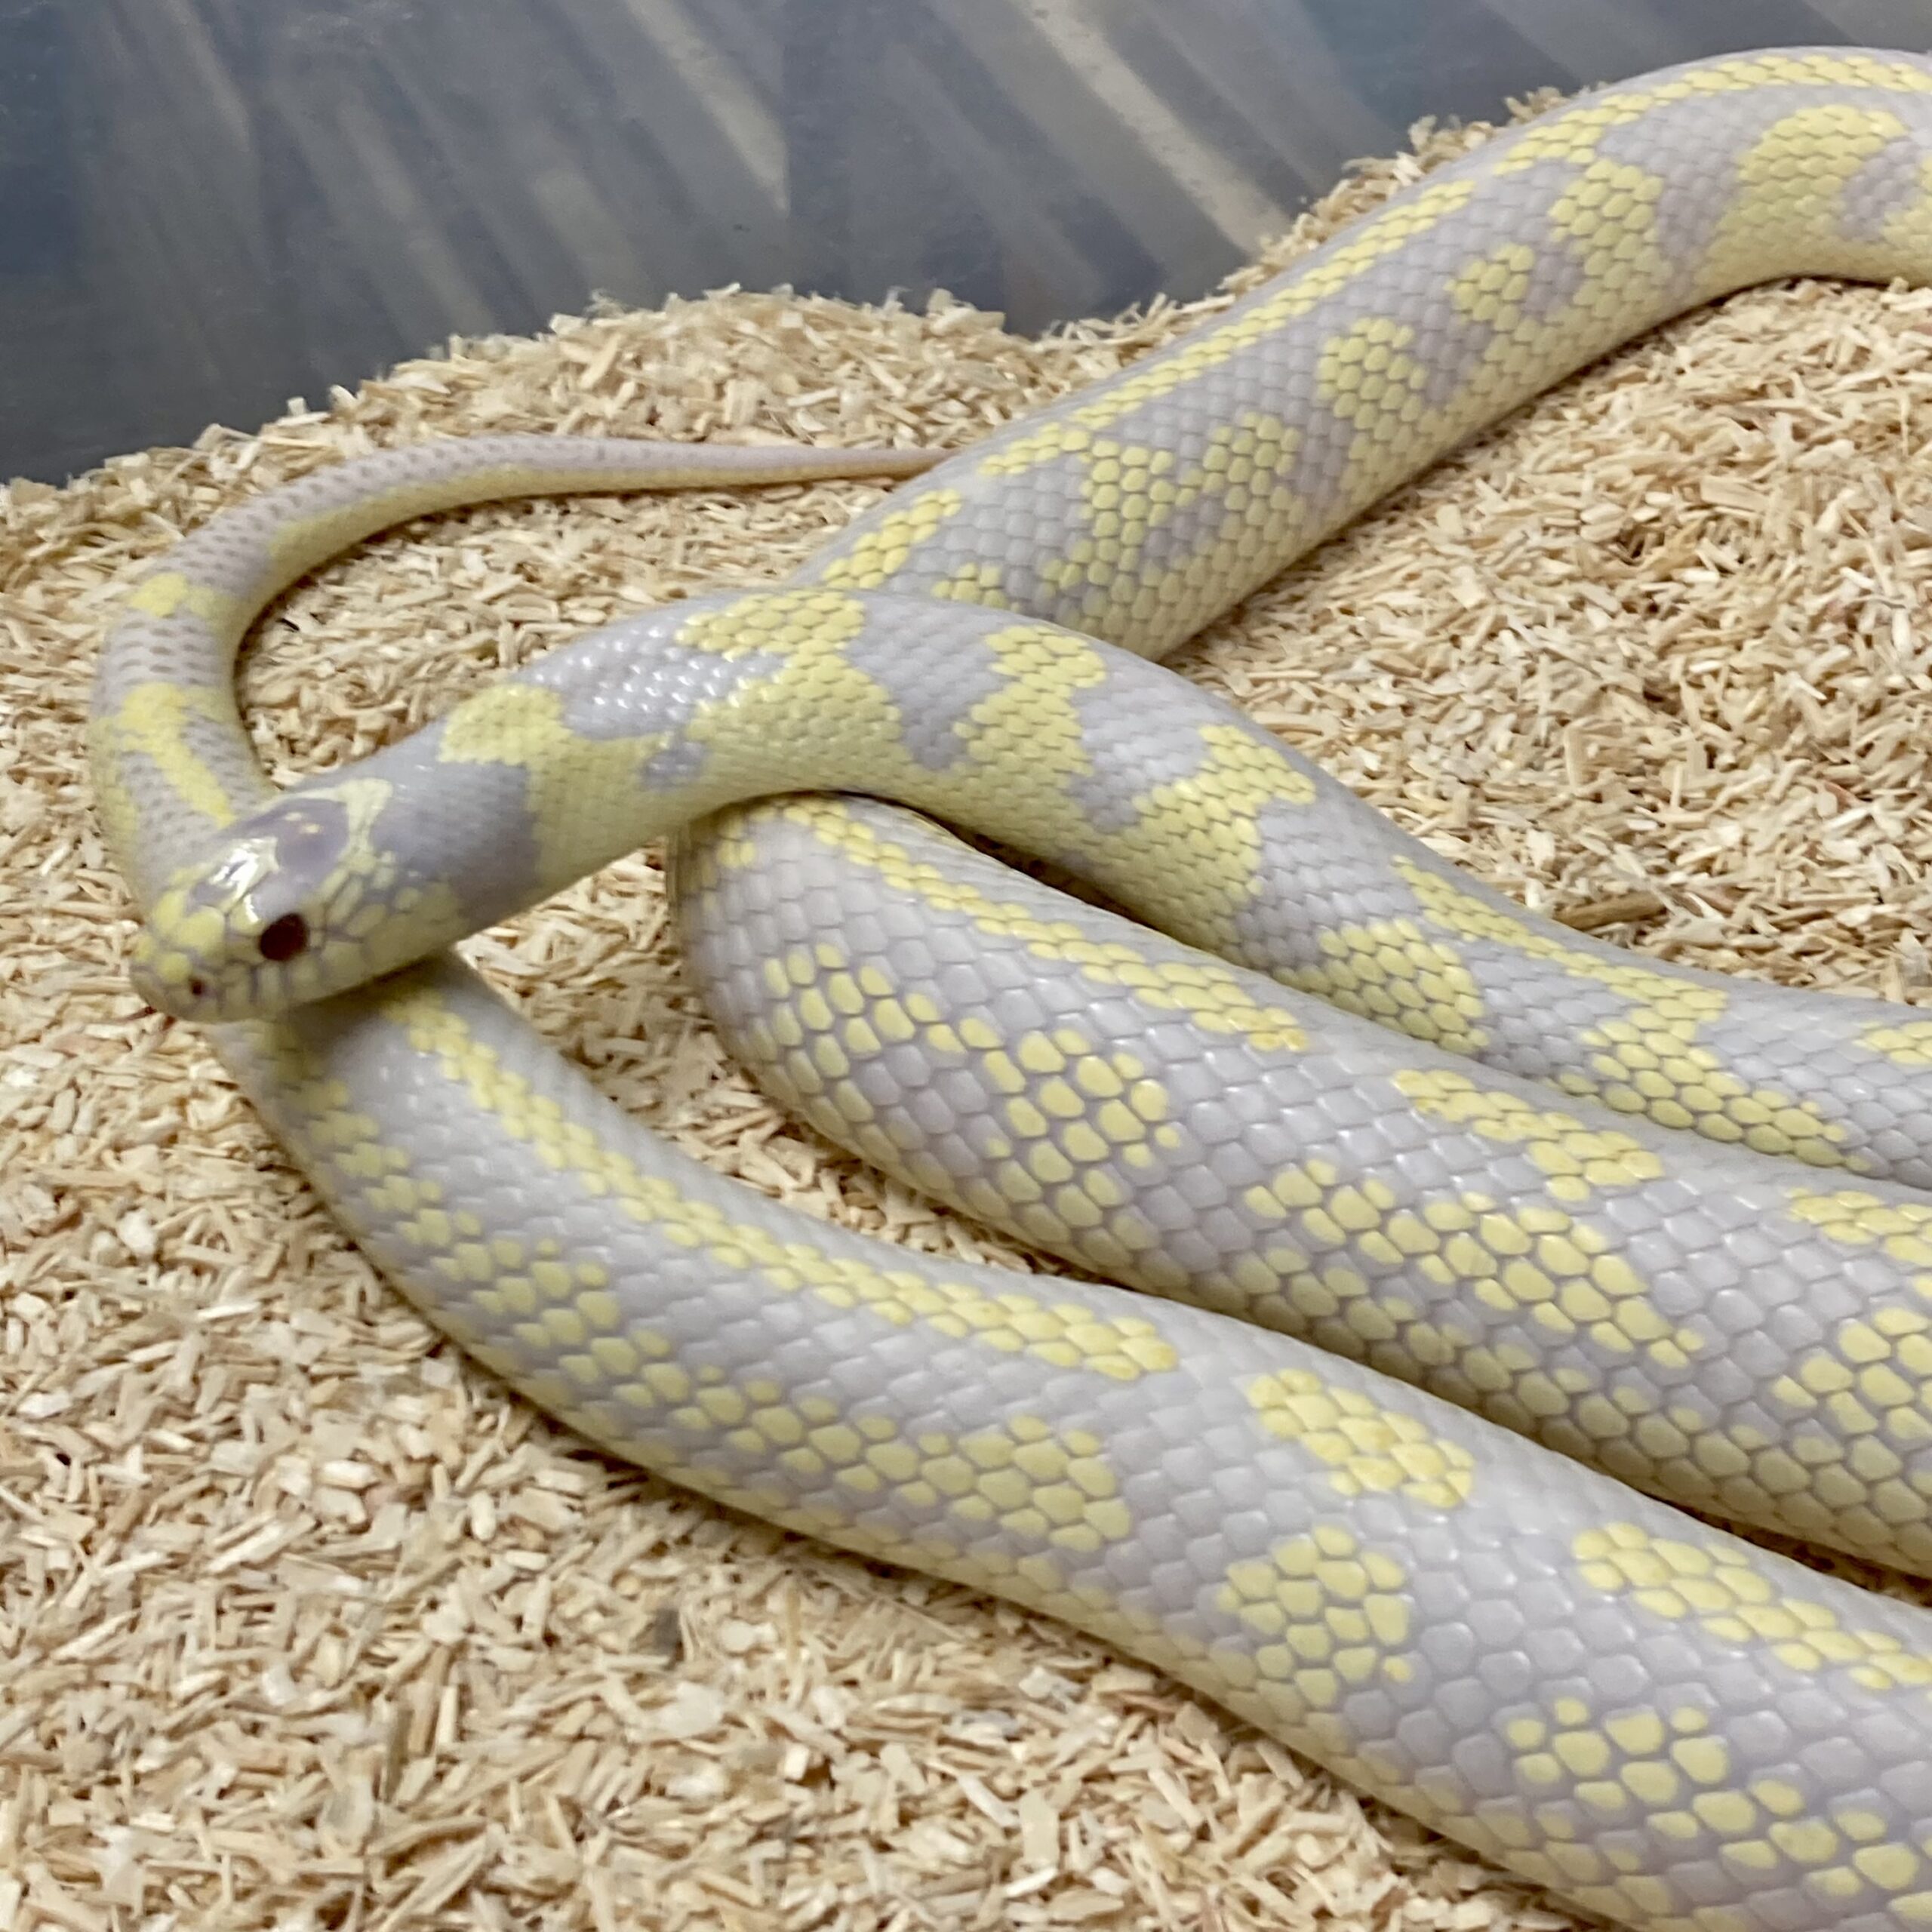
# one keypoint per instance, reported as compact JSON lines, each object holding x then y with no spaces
{"x":1718,"y":1295}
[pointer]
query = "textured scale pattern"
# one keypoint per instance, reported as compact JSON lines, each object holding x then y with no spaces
{"x":1451,"y":1219}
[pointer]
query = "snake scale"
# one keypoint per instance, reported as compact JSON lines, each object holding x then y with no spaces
{"x":1475,"y":1246}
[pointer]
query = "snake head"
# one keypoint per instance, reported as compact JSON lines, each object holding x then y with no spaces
{"x":298,"y":901}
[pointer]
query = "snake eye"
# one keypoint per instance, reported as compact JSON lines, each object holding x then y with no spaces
{"x":282,"y":939}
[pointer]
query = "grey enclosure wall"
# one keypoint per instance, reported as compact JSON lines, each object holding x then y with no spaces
{"x":207,"y":207}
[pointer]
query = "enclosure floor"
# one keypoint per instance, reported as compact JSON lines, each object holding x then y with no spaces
{"x":304,"y":1623}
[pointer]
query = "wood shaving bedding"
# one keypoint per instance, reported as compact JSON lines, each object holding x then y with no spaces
{"x":304,"y":1623}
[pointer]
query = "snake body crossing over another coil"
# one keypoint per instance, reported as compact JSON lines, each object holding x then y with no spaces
{"x":1668,"y":1223}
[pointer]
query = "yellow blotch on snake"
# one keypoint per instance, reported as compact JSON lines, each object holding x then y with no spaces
{"x":1025,"y":740}
{"x":1538,"y":1259}
{"x":168,"y":593}
{"x":882,"y":550}
{"x":1907,"y":1045}
{"x":1129,"y":490}
{"x":152,"y":722}
{"x":1579,"y":1769}
{"x":523,"y":725}
{"x":1390,"y":970}
{"x":1492,"y":289}
{"x":1574,"y":136}
{"x":1378,"y":235}
{"x":1024,"y":1478}
{"x":1725,"y":1590}
{"x":1538,"y":1256}
{"x":1856,"y":1218}
{"x":1576,"y":1159}
{"x":1063,"y":1111}
{"x":1649,"y":1061}
{"x":1367,"y":1448}
{"x":981,"y":583}
{"x":1331,"y":1615}
{"x":1826,"y":146}
{"x":1607,"y":214}
{"x":784,"y":623}
{"x":1368,"y":377}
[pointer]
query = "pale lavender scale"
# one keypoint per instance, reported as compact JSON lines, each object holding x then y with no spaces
{"x":642,"y":680}
{"x":1556,"y":276}
{"x":1544,"y":1019}
{"x":1776,"y":1039}
{"x":639,"y":677}
{"x":1035,"y":515}
{"x":237,"y":559}
{"x":1546,"y":1023}
{"x":211,"y":739}
{"x":1321,"y":868}
{"x":1125,"y":764}
{"x":427,"y":856}
{"x":1273,"y":377}
{"x":935,"y":697}
{"x":179,"y":649}
{"x":1890,"y":184}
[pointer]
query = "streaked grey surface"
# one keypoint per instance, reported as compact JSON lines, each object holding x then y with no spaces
{"x":207,"y":207}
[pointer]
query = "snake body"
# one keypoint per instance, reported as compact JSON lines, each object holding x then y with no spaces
{"x":1466,"y":1179}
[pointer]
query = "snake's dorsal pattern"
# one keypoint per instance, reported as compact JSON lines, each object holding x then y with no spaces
{"x":1663,"y":1724}
{"x":1707,"y":1322}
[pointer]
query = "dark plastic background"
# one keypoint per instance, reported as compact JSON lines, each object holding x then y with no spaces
{"x":209,"y":207}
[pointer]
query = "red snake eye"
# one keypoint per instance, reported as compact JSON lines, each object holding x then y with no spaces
{"x":282,"y":939}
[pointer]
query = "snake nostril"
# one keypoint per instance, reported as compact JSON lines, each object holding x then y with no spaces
{"x":198,"y":988}
{"x":282,"y":939}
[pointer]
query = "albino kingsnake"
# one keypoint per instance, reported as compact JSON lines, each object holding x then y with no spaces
{"x":1665,"y":1725}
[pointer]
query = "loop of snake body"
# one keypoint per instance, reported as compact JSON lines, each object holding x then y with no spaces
{"x":1427,"y":1190}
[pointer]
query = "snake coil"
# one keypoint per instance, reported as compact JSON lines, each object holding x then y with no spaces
{"x":1438,"y":1203}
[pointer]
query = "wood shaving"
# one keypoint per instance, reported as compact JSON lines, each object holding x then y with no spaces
{"x":304,"y":1623}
